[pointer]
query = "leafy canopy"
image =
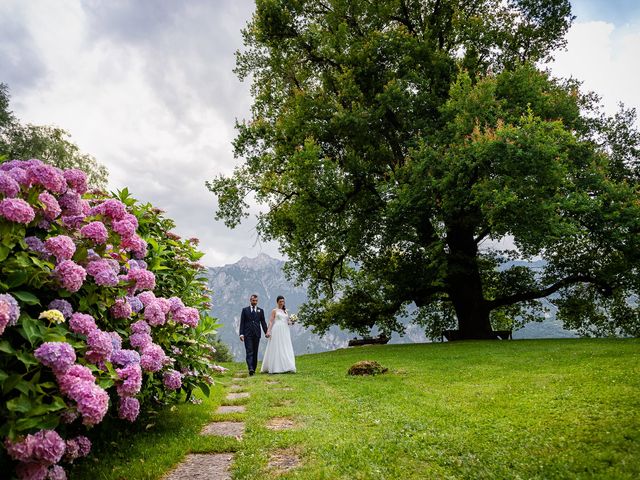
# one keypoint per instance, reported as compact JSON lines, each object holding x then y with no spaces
{"x":399,"y":146}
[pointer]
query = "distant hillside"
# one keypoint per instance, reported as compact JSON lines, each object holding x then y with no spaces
{"x":233,"y":284}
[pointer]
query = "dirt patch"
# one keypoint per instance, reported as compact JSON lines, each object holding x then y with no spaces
{"x":280,"y":423}
{"x":230,"y":409}
{"x":240,"y":375}
{"x":282,"y":461}
{"x":203,"y":466}
{"x":285,"y":402}
{"x":224,"y":429}
{"x":236,"y":396}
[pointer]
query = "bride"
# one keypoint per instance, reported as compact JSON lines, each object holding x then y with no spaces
{"x":279,"y":357}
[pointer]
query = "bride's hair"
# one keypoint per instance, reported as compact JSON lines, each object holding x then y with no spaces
{"x":278,"y":298}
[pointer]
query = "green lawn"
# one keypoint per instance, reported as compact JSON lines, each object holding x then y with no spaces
{"x":524,"y":409}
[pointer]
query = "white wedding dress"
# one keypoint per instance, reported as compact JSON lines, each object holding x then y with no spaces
{"x":278,"y":356}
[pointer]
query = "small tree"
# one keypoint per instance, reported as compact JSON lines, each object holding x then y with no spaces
{"x":50,"y":144}
{"x":391,"y":140}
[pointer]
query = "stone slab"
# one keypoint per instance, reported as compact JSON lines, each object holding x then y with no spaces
{"x":230,"y":409}
{"x":224,"y":429}
{"x":199,"y":466}
{"x":236,"y":396}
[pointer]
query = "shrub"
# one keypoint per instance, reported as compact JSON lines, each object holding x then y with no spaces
{"x":99,"y":314}
{"x":366,"y":367}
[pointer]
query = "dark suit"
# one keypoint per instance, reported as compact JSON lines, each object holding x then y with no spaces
{"x":250,"y":327}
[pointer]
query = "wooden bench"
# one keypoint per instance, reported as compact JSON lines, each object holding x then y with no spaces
{"x":381,"y":340}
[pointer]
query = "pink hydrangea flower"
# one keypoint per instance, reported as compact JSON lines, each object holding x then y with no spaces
{"x":124,"y":228}
{"x":100,"y":343}
{"x":72,"y":222}
{"x":16,"y":210}
{"x":19,"y":175}
{"x":82,"y":323}
{"x":58,"y":356}
{"x":153,"y":314}
{"x":143,"y":279}
{"x":56,"y":472}
{"x":172,"y":380}
{"x":9,"y":311}
{"x":61,"y":247}
{"x":187,"y":316}
{"x":140,"y":327}
{"x":112,"y":208}
{"x":131,"y":377}
{"x":8,"y":186}
{"x":77,"y":447}
{"x":95,"y":231}
{"x":146,"y":297}
{"x":51,"y":208}
{"x":135,"y":245}
{"x":70,"y":274}
{"x":121,"y":309}
{"x":93,"y":403}
{"x":140,"y":340}
{"x":129,"y":409}
{"x":176,"y":304}
{"x":153,"y":358}
{"x":45,"y":447}
{"x":76,"y":179}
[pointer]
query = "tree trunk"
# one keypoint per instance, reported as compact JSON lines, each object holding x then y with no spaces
{"x":465,"y":286}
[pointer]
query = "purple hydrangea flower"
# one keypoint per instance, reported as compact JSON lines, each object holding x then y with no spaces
{"x":48,"y":176}
{"x":82,"y":323}
{"x":102,"y":273}
{"x":165,"y":304}
{"x":62,"y":306}
{"x":5,"y":312}
{"x":187,"y":316}
{"x":16,"y":210}
{"x":6,"y":166}
{"x":61,"y":247}
{"x":125,"y":357}
{"x":36,"y":245}
{"x":131,"y":377}
{"x":71,"y":203}
{"x":95,"y":231}
{"x":8,"y":186}
{"x":51,"y":207}
{"x":70,"y":274}
{"x":48,"y":447}
{"x":153,"y":314}
{"x":172,"y":380}
{"x":76,"y":179}
{"x":121,"y":309}
{"x":129,"y":409}
{"x":73,"y":222}
{"x":136,"y":304}
{"x":58,"y":356}
{"x":176,"y":304}
{"x":153,"y":358}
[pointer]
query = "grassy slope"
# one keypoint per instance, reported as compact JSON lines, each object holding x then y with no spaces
{"x":545,"y":409}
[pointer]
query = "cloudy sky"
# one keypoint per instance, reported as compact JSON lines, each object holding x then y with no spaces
{"x":146,"y":87}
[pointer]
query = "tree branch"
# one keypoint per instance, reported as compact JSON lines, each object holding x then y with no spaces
{"x":545,"y":292}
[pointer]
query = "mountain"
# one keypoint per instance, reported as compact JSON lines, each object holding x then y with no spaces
{"x":233,"y":284}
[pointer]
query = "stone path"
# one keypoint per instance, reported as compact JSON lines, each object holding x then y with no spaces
{"x":200,"y":466}
{"x":217,"y":466}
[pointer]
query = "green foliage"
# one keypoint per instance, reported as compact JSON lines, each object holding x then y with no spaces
{"x":395,"y":142}
{"x":50,"y":144}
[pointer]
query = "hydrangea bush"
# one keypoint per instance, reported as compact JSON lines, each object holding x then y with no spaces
{"x":99,"y":315}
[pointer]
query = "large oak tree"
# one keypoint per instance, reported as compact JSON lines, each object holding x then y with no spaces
{"x":416,"y":152}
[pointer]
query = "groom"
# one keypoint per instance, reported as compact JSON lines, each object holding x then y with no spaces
{"x":251,"y":318}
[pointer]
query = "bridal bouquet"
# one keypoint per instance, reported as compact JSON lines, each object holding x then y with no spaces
{"x":293,"y":318}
